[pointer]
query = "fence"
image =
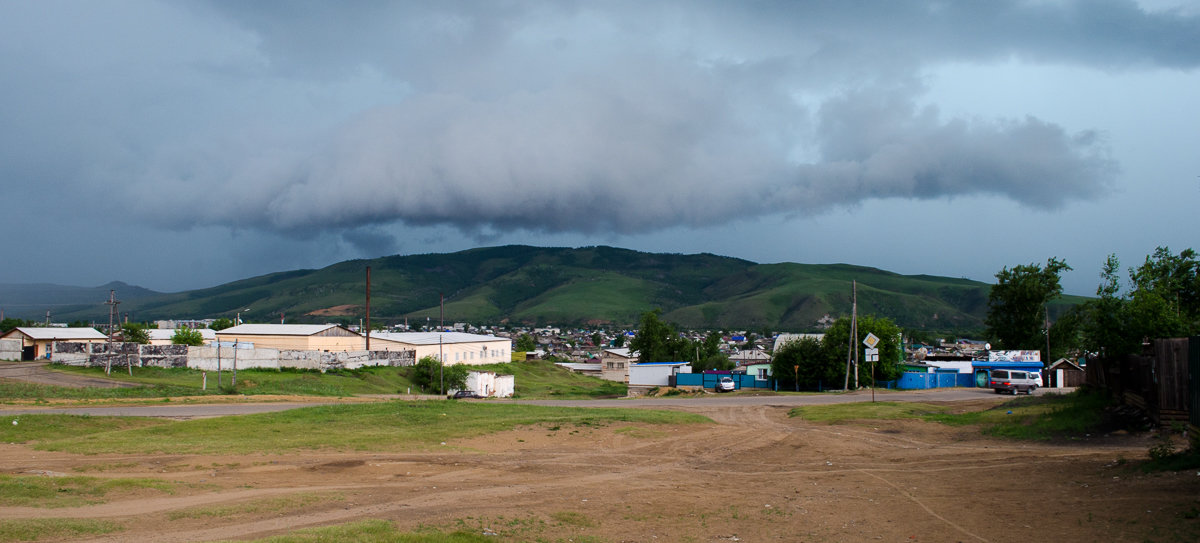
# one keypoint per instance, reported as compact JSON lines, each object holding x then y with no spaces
{"x":1156,"y":381}
{"x":709,"y":380}
{"x":209,"y":358}
{"x":912,"y":380}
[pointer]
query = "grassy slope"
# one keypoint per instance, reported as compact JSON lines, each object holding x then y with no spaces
{"x":588,"y":285}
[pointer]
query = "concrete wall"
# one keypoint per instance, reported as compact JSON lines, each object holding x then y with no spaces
{"x":208,"y":357}
{"x":10,"y":349}
{"x":490,"y":385}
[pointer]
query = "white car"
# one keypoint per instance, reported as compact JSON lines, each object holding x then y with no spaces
{"x":726,"y":384}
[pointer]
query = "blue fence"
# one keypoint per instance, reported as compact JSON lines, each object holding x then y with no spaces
{"x":908,"y":380}
{"x":709,"y":380}
{"x":914,"y":380}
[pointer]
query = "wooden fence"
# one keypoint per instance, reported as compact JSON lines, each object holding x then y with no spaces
{"x":1158,"y":381}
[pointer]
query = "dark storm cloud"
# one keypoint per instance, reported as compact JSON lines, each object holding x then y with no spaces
{"x":310,"y":117}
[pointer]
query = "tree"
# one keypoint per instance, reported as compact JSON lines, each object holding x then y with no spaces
{"x":1162,"y":303}
{"x":525,"y":343}
{"x":1017,"y":304}
{"x":619,"y":341}
{"x":9,"y":323}
{"x":221,"y":324}
{"x":187,"y":336}
{"x":836,"y":344}
{"x":804,"y":364}
{"x":429,"y":374}
{"x":133,"y":332}
{"x":654,"y":339}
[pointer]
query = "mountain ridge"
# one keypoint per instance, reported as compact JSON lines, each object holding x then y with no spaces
{"x":594,"y":285}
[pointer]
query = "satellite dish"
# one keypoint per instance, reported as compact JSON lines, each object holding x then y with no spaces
{"x":987,"y":346}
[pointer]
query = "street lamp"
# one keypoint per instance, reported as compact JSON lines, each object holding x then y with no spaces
{"x":239,"y":315}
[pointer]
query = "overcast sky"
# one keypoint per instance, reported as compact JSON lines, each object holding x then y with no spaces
{"x":184,"y":144}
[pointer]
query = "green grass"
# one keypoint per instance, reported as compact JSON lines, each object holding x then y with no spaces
{"x":50,"y":427}
{"x":374,"y":426}
{"x":534,"y":379}
{"x":256,"y":507}
{"x":178,"y":381}
{"x":1033,"y":417}
{"x":54,"y":528}
{"x":42,"y":491}
{"x":372,"y":531}
{"x":540,"y":379}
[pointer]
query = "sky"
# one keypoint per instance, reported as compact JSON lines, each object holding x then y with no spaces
{"x":177,"y":145}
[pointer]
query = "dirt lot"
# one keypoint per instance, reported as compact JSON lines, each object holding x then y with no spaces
{"x":756,"y":475}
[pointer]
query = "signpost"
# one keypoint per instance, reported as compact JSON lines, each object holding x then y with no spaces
{"x":872,"y":354}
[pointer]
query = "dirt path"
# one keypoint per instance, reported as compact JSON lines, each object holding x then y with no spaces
{"x":37,"y":372}
{"x":754,"y":475}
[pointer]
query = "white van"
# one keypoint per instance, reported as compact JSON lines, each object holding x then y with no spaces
{"x":1013,"y":381}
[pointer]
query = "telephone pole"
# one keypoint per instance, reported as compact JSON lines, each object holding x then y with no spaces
{"x":112,"y":311}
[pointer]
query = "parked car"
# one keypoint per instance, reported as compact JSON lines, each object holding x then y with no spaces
{"x":464,"y":394}
{"x":726,"y":384}
{"x":1012,"y":381}
{"x":1037,"y":379}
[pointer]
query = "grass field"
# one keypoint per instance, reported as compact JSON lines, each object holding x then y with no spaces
{"x":1032,"y":417}
{"x":364,"y":427}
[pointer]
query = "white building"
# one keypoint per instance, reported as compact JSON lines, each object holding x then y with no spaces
{"x":449,"y":347}
{"x":655,"y":374}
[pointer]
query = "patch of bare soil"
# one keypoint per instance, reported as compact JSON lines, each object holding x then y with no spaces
{"x":336,"y":311}
{"x":754,"y":475}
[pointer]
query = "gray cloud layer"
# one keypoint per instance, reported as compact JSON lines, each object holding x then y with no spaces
{"x":559,"y":116}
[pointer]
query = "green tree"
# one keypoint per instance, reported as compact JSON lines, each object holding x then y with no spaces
{"x":221,"y":324}
{"x":525,"y":343}
{"x":9,"y":323}
{"x":187,"y":336}
{"x":1161,"y":303}
{"x":655,"y":338}
{"x":429,"y":374}
{"x":597,"y":339}
{"x":836,"y":344}
{"x":1017,"y":304}
{"x":133,"y":332}
{"x":804,"y":364}
{"x":619,"y":341}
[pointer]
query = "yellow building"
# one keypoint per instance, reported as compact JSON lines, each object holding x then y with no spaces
{"x":452,"y":347}
{"x":35,"y":342}
{"x":295,"y":337}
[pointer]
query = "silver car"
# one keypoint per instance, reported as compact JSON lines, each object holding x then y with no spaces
{"x":726,"y":384}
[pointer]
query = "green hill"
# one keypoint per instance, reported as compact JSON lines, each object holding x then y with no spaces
{"x":585,"y":286}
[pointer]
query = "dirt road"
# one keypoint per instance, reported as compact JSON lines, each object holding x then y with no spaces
{"x":754,"y":475}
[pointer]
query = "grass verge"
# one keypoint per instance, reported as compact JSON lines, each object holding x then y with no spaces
{"x":540,"y":379}
{"x":372,"y":531}
{"x":42,"y":491}
{"x":372,"y":426}
{"x":54,"y":528}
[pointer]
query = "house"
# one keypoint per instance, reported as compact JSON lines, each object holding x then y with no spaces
{"x":760,"y":371}
{"x":449,"y":347}
{"x":294,"y":337}
{"x":614,"y":364}
{"x":783,"y":339}
{"x":160,"y":336}
{"x":749,"y":356}
{"x":36,"y":342}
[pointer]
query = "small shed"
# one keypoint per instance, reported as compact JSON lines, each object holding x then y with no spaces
{"x":1064,"y":373}
{"x":36,"y":341}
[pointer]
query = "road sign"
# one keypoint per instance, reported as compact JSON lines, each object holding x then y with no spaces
{"x":871,"y":341}
{"x":872,"y":355}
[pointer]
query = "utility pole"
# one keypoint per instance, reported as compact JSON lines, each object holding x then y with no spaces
{"x":368,"y":309}
{"x":112,"y":310}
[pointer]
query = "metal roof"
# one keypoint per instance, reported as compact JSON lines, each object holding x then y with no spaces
{"x":433,"y":338}
{"x":61,"y":333}
{"x":276,"y":329}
